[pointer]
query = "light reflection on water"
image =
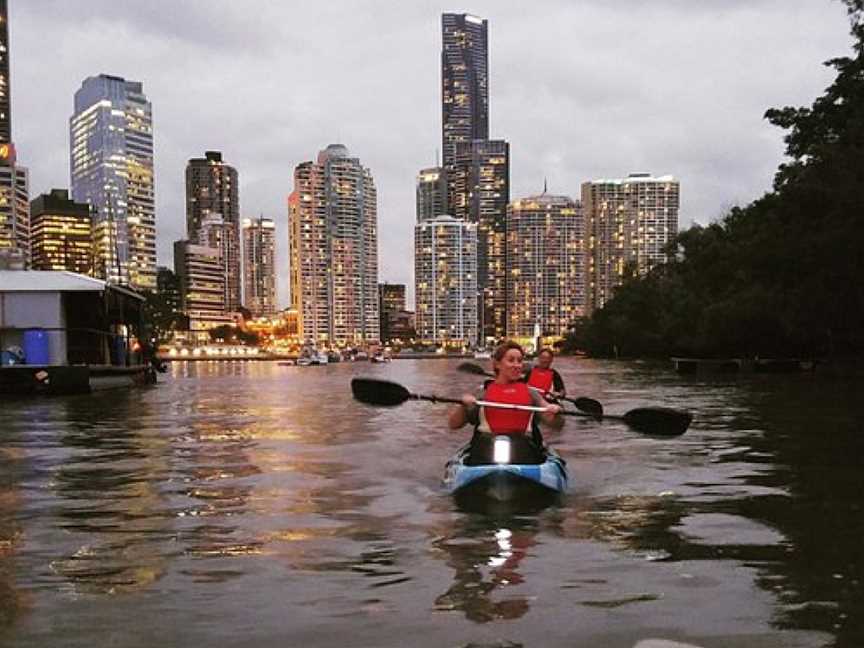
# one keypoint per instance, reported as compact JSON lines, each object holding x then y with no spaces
{"x":249,"y":503}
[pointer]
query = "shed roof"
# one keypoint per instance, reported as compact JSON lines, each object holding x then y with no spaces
{"x":56,"y":281}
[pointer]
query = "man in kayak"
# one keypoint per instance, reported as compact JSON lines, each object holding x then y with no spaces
{"x":507,"y":387}
{"x":543,"y":377}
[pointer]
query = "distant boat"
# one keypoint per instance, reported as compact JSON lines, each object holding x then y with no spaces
{"x":483,"y":355}
{"x":378,"y":357}
{"x":361,"y":355}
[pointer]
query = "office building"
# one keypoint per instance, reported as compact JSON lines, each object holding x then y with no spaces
{"x":61,"y":233}
{"x":111,"y":162}
{"x":259,"y":266}
{"x":334,"y":248}
{"x":545,"y":266}
{"x":629,"y":223}
{"x":212,"y":189}
{"x":445,"y":275}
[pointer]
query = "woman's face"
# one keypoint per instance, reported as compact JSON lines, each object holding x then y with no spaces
{"x":510,"y":366}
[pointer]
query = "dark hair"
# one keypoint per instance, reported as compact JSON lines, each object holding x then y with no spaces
{"x":546,"y":350}
{"x":502,"y":349}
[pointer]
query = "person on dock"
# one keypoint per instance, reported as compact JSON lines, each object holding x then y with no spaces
{"x":543,"y":377}
{"x":507,"y":387}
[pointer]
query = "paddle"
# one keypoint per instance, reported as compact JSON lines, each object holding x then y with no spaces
{"x":587,"y":405}
{"x":653,"y":421}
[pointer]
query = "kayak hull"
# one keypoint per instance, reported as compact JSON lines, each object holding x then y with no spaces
{"x":505,"y":482}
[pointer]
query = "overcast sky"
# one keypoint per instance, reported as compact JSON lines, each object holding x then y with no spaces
{"x":582,"y":89}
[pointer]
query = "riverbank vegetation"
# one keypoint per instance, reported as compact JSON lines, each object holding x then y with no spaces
{"x":782,"y":276}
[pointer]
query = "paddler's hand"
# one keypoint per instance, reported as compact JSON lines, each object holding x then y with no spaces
{"x":553,"y":409}
{"x":469,"y":401}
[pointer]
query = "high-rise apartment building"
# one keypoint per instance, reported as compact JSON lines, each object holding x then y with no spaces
{"x":545,"y":265}
{"x":445,"y":276}
{"x":14,"y":179}
{"x":111,"y":162}
{"x":464,"y":82}
{"x":479,"y":186}
{"x":629,"y":223}
{"x":259,"y":265}
{"x":391,"y":300}
{"x":212,"y":189}
{"x":334,"y":262}
{"x":201,"y":275}
{"x":61,"y":233}
{"x":431,"y":193}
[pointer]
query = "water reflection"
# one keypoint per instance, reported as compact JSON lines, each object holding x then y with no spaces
{"x":486,"y":554}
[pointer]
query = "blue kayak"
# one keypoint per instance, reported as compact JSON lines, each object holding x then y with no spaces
{"x":504,"y":481}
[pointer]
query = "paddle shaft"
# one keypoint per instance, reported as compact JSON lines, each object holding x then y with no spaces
{"x":482,"y":403}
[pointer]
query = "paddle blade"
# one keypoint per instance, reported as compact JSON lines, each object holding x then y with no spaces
{"x":658,"y":421}
{"x":379,"y":392}
{"x":588,"y":405}
{"x":470,"y":367}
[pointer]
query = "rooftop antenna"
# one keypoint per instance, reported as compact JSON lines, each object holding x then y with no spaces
{"x":544,"y":185}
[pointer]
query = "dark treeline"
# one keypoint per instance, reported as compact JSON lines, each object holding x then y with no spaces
{"x":782,"y":276}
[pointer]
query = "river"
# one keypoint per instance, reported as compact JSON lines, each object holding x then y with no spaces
{"x":253,"y":504}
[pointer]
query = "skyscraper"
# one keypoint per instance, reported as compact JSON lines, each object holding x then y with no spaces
{"x":61,"y":233}
{"x":464,"y":82}
{"x":212,"y":189}
{"x":629,"y":222}
{"x":545,"y":265}
{"x":111,"y":162}
{"x":334,"y":264}
{"x":259,"y":265}
{"x":445,"y":275}
{"x":201,"y":276}
{"x":391,"y":300}
{"x":14,"y":179}
{"x":431,"y":193}
{"x":479,"y":190}
{"x":5,"y":94}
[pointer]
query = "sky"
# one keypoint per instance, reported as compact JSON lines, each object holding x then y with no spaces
{"x":582,"y":89}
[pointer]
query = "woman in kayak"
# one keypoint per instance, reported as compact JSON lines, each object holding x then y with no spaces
{"x":544,"y":377}
{"x":507,"y":387}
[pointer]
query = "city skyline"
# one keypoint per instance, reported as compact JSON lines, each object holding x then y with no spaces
{"x":703,"y":116}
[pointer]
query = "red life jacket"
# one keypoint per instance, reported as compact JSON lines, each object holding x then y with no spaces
{"x":505,"y":421}
{"x":542,"y":379}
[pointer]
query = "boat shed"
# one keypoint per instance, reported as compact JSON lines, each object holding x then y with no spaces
{"x":55,"y":318}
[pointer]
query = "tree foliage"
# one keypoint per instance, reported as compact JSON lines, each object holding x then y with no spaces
{"x":781,"y":276}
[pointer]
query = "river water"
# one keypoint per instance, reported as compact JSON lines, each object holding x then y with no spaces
{"x":251,"y":504}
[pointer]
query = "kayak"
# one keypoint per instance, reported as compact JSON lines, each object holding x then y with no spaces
{"x":500,"y":480}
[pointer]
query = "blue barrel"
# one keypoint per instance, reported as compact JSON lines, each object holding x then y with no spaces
{"x":35,"y":347}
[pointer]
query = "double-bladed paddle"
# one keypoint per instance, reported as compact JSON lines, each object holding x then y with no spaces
{"x":653,"y":421}
{"x":583,"y":404}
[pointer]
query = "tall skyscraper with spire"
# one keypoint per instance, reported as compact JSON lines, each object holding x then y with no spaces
{"x":14,"y":179}
{"x":212,"y":189}
{"x":111,"y":164}
{"x":464,"y":82}
{"x":477,"y":169}
{"x":333,"y":221}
